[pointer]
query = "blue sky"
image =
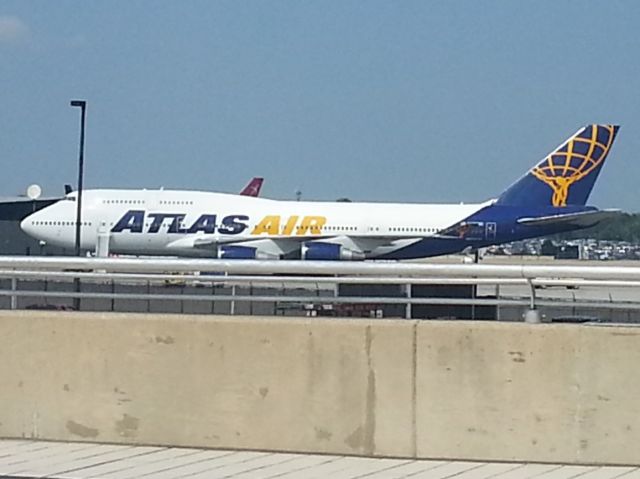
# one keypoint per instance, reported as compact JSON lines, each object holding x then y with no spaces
{"x":386,"y":101}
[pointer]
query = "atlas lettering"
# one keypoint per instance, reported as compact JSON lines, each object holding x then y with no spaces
{"x":133,"y":221}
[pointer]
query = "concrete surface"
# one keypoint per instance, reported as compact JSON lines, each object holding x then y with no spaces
{"x":83,"y":461}
{"x":196,"y":381}
{"x":437,"y":390}
{"x":549,"y":392}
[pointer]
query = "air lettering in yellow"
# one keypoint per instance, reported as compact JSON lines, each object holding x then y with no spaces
{"x":311,"y":224}
{"x":270,"y":225}
{"x":291,"y":223}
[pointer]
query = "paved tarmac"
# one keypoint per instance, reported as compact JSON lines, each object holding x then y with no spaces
{"x":30,"y":459}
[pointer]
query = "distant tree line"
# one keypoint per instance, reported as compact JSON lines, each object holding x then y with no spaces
{"x":625,"y":227}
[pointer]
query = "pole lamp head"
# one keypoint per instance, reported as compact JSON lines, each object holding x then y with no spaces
{"x":80,"y":103}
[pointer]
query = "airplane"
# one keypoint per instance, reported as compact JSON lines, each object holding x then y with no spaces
{"x":253,"y":187}
{"x":550,"y":198}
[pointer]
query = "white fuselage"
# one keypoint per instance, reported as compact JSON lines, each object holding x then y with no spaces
{"x":194,"y":223}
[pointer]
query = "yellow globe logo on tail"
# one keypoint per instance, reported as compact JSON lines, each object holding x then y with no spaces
{"x":574,"y":160}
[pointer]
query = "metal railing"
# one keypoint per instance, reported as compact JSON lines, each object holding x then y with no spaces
{"x":315,"y":276}
{"x":365,"y":268}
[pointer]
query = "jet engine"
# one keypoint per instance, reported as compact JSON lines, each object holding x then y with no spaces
{"x":329,"y":251}
{"x":243,"y":252}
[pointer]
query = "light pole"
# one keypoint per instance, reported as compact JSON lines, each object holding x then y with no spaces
{"x":83,"y":107}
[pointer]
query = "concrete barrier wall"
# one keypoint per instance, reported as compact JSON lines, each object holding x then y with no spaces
{"x":565,"y":393}
{"x":462,"y":390}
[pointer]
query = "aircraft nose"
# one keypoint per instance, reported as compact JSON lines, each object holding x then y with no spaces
{"x":28,"y":225}
{"x":25,"y":225}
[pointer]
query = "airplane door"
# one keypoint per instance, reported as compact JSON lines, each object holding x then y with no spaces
{"x":490,"y":231}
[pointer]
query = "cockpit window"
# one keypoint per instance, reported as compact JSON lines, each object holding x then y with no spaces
{"x":70,"y":198}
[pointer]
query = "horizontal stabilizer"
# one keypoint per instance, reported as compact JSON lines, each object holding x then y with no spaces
{"x":583,"y":219}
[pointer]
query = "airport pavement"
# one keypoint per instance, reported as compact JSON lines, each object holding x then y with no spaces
{"x":42,"y":459}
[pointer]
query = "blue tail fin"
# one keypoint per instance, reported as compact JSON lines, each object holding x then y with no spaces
{"x":567,"y":175}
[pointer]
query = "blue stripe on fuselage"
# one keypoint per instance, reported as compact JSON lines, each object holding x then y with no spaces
{"x":507,"y":229}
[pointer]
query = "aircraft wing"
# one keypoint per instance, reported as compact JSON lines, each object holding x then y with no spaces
{"x":583,"y":219}
{"x":272,"y":248}
{"x":204,"y":242}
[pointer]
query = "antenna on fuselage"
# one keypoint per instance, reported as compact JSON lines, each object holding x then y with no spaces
{"x":298,"y":194}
